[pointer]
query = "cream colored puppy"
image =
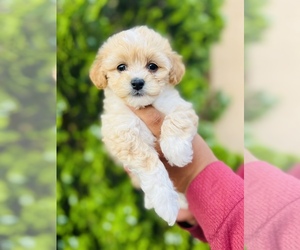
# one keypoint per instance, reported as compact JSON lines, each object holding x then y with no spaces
{"x":137,"y":68}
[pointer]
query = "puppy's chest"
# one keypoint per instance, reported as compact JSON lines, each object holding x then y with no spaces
{"x":118,"y":116}
{"x":167,"y":102}
{"x":119,"y":119}
{"x":121,"y":130}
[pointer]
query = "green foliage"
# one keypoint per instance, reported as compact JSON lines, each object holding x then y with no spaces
{"x":258,"y":103}
{"x":279,"y":159}
{"x":255,"y":20}
{"x":215,"y":105}
{"x":97,"y":206}
{"x":27,"y":125}
{"x":283,"y":160}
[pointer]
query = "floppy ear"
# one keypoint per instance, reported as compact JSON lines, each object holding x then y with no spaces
{"x":177,"y":69}
{"x":97,"y":74}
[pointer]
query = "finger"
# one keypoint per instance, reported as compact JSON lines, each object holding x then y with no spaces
{"x":184,"y":215}
{"x":151,"y":117}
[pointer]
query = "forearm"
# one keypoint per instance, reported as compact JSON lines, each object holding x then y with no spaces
{"x":272,"y":205}
{"x":215,"y":198}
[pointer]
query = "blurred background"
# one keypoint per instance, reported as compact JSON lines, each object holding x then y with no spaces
{"x":272,"y":81}
{"x":27,"y":125}
{"x":227,"y":76}
{"x":97,"y":207}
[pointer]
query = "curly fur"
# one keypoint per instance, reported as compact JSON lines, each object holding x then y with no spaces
{"x":126,"y":137}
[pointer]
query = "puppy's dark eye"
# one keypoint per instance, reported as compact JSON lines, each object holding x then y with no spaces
{"x":152,"y":67}
{"x":122,"y":67}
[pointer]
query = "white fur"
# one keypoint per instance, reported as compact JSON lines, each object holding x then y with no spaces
{"x":126,"y":137}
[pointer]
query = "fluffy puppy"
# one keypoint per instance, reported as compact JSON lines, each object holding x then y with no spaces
{"x":137,"y":68}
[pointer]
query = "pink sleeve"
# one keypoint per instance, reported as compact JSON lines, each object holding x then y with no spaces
{"x":215,"y":198}
{"x":295,"y":171}
{"x":272,"y":208}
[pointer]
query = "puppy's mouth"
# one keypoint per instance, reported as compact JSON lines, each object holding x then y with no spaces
{"x":137,"y":93}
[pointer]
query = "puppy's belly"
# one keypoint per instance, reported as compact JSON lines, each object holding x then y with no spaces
{"x":127,"y":138}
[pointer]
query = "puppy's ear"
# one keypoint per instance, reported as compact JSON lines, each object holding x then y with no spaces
{"x":97,"y":74}
{"x":177,"y":70}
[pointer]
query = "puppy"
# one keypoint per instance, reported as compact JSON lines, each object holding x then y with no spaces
{"x":137,"y":68}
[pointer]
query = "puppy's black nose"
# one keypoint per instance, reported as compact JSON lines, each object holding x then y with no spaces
{"x":137,"y":83}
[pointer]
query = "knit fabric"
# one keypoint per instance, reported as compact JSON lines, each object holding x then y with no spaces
{"x":272,"y":208}
{"x":295,"y":171}
{"x":215,"y":198}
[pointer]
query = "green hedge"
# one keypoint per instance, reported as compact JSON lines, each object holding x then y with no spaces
{"x":255,"y":20}
{"x":27,"y":125}
{"x":97,"y":206}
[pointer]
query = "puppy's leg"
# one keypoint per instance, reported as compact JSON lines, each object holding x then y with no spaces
{"x":135,"y":148}
{"x":156,"y":184}
{"x":135,"y":181}
{"x":147,"y":202}
{"x":182,"y":201}
{"x":160,"y":193}
{"x":177,"y":133}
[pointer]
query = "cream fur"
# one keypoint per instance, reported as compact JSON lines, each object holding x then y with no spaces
{"x":126,"y":137}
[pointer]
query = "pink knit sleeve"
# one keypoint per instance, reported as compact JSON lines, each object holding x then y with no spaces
{"x":215,"y":198}
{"x":272,"y":208}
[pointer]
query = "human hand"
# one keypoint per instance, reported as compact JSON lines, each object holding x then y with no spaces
{"x":203,"y":156}
{"x":185,"y":216}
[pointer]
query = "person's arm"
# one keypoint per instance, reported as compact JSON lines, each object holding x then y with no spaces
{"x":203,"y":155}
{"x":214,"y":192}
{"x":272,"y":205}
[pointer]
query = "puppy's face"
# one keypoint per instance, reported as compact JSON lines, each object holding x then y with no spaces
{"x":136,"y":64}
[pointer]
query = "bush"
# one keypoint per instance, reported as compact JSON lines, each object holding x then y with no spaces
{"x":27,"y":125}
{"x":255,"y":20}
{"x":97,"y":206}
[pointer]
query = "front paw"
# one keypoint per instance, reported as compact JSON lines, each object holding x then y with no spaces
{"x":177,"y":151}
{"x":165,"y":203}
{"x":147,"y":202}
{"x":160,"y":193}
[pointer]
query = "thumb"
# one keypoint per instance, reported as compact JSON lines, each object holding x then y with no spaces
{"x":151,"y":117}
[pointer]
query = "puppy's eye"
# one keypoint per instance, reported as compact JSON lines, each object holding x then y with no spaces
{"x":122,"y":67}
{"x":152,"y":67}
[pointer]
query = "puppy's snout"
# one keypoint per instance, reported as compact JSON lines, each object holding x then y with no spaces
{"x":137,"y":83}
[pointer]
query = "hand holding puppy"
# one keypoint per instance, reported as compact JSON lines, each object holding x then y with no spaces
{"x":181,"y":177}
{"x":203,"y":156}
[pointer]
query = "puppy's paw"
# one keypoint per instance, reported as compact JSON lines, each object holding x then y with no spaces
{"x":166,"y":204}
{"x":177,"y":151}
{"x":160,"y":193}
{"x":147,"y":202}
{"x":182,"y":201}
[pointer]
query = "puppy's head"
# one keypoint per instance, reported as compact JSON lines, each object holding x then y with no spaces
{"x":136,"y":64}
